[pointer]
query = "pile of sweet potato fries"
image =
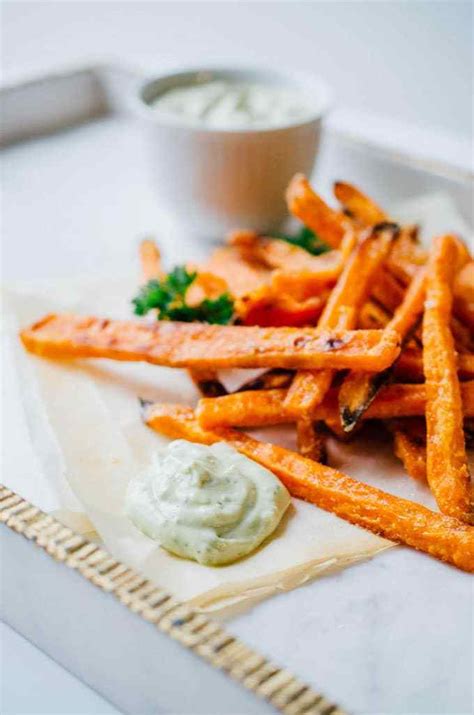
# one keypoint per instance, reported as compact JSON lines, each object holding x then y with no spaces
{"x":375,"y":328}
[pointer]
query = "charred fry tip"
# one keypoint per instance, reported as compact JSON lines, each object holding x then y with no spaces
{"x":386,"y":226}
{"x":350,"y":418}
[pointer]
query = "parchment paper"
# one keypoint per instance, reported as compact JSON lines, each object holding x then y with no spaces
{"x":88,"y":440}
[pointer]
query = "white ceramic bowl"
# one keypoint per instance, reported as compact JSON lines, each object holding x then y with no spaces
{"x":213,"y":180}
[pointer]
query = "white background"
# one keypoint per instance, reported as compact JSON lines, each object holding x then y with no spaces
{"x":409,"y":61}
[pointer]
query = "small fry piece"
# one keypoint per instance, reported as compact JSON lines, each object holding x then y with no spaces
{"x":409,"y":366}
{"x":341,"y":310}
{"x":150,"y":260}
{"x":398,"y":519}
{"x":372,"y":316}
{"x":266,"y":307}
{"x":207,"y":346}
{"x":409,"y":441}
{"x":406,"y":255}
{"x":309,"y":208}
{"x":310,"y":440}
{"x":387,"y":291}
{"x":357,"y":205}
{"x":207,"y":383}
{"x":463,"y":291}
{"x":447,"y":470}
{"x":267,"y":407}
{"x":276,"y":253}
{"x":359,"y":388}
{"x":240,"y":276}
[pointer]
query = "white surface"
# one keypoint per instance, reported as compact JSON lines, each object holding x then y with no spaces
{"x":398,"y":645}
{"x":33,"y":683}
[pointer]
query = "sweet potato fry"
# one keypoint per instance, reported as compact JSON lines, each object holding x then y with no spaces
{"x":387,"y":291}
{"x":409,"y":441}
{"x":357,"y":205}
{"x":206,"y":346}
{"x":463,"y":291}
{"x":275,"y":253}
{"x":150,"y":260}
{"x":267,"y":307}
{"x":309,"y":208}
{"x":398,"y":519}
{"x":240,"y":276}
{"x":271,"y":380}
{"x":310,"y":440}
{"x":372,"y":316}
{"x":406,"y":255}
{"x":341,"y":310}
{"x":207,"y":383}
{"x":409,"y":366}
{"x":447,"y":470}
{"x":259,"y":408}
{"x":359,"y":388}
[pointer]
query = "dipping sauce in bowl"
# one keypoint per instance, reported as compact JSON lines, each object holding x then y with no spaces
{"x":224,"y":104}
{"x":224,"y":144}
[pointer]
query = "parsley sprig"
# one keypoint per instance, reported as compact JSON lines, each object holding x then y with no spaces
{"x":306,"y":239}
{"x":168,"y":297}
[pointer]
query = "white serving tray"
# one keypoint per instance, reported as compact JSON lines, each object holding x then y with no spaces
{"x":379,"y":637}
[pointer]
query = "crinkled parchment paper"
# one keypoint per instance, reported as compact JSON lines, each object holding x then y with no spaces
{"x":86,"y":440}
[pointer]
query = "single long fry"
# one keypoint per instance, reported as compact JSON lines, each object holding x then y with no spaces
{"x":150,"y":259}
{"x":201,"y":345}
{"x":390,"y":516}
{"x":341,"y":310}
{"x":409,"y":441}
{"x":360,"y":388}
{"x":357,"y":205}
{"x":259,"y":408}
{"x":447,"y":470}
{"x":310,"y":440}
{"x":307,"y":206}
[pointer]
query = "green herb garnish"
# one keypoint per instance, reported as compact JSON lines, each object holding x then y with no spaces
{"x":306,"y":239}
{"x":168,"y":298}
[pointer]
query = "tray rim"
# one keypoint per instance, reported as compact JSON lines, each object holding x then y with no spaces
{"x":98,"y":67}
{"x":193,"y":630}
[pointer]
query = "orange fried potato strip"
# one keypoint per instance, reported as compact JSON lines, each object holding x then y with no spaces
{"x":259,"y":408}
{"x":398,"y":519}
{"x":267,"y":307}
{"x":341,"y":310}
{"x":201,"y":345}
{"x":357,"y":205}
{"x":406,"y":255}
{"x":310,"y":440}
{"x":310,"y":208}
{"x":409,"y":365}
{"x":447,"y":469}
{"x":359,"y":388}
{"x":387,"y":291}
{"x":463,"y":290}
{"x":240,"y":276}
{"x":409,"y":441}
{"x":150,"y":259}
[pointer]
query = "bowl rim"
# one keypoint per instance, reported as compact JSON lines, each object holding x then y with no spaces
{"x":308,"y":83}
